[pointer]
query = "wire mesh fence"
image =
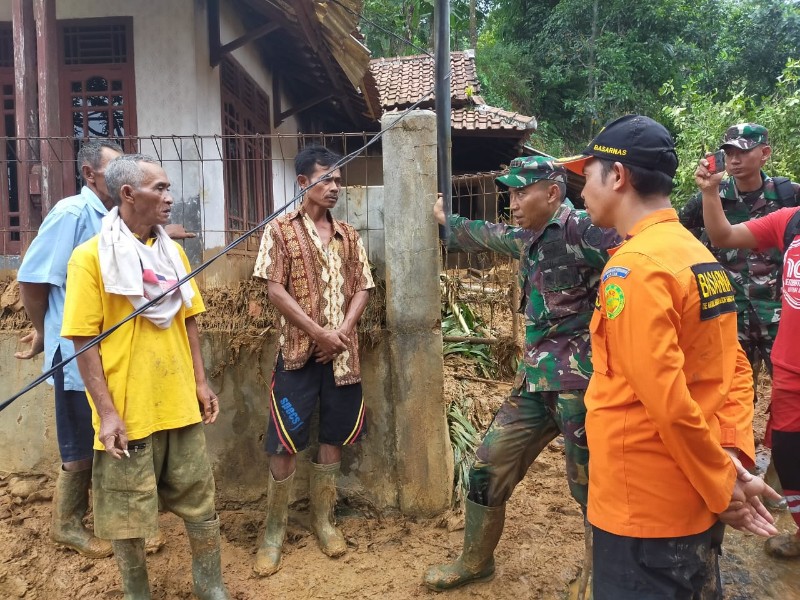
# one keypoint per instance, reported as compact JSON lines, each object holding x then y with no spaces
{"x":485,"y":282}
{"x":222,"y":185}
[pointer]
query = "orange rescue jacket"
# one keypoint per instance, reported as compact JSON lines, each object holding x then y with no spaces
{"x":671,"y":386}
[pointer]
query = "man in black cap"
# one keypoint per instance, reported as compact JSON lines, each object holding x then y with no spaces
{"x":669,"y":410}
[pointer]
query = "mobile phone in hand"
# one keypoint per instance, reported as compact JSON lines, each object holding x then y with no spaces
{"x":716,"y":162}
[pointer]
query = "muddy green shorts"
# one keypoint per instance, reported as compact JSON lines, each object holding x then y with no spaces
{"x":170,"y":465}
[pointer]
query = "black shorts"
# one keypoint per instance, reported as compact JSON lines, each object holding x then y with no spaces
{"x":680,"y":568}
{"x":294,"y":397}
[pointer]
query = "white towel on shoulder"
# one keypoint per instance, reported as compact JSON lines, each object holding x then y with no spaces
{"x":140,"y":272}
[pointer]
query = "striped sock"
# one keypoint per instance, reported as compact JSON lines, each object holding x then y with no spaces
{"x":793,"y":502}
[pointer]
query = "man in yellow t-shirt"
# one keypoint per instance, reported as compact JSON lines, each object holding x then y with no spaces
{"x":146,"y":381}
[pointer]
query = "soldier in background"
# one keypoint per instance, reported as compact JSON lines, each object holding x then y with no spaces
{"x":561,"y":255}
{"x":748,"y":194}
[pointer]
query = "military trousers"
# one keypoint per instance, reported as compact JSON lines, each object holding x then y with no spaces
{"x":524,"y":425}
{"x":756,"y":338}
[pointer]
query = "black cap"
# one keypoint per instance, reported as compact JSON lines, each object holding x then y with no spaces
{"x":633,"y":140}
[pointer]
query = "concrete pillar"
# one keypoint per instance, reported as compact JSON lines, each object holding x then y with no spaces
{"x":413,"y":314}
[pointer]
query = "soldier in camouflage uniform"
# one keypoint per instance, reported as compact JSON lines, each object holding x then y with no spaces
{"x":748,"y":194}
{"x":561,"y":255}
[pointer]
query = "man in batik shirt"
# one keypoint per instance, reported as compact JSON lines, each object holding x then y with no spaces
{"x":561,"y":255}
{"x":318,"y":278}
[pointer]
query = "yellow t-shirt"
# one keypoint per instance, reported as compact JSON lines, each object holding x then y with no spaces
{"x":149,"y":371}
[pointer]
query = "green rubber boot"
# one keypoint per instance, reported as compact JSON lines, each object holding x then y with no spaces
{"x":133,"y":568}
{"x":70,"y":503}
{"x":322,"y":495}
{"x":482,"y":529}
{"x":206,"y":560}
{"x":268,"y":557}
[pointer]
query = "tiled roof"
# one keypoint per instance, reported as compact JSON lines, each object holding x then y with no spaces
{"x":403,"y":80}
{"x":483,"y":116}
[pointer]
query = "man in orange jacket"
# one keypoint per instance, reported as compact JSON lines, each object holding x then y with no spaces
{"x":669,"y":407}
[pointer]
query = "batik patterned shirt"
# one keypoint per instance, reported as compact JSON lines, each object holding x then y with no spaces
{"x":321,"y":280}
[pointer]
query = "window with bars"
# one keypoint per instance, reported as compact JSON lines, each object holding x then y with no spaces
{"x":248,"y":172}
{"x":97,"y":84}
{"x":10,"y":233}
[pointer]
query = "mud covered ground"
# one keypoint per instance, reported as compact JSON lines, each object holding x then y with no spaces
{"x":539,"y":555}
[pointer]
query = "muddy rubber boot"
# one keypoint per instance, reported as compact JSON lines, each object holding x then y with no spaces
{"x":322,"y":495}
{"x":483,"y":526}
{"x":132,"y":565}
{"x":773,"y":481}
{"x":70,"y":503}
{"x":785,"y":545}
{"x":268,"y":557}
{"x":206,"y":561}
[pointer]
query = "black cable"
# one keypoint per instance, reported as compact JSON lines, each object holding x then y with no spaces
{"x":342,"y":162}
{"x":100,"y":337}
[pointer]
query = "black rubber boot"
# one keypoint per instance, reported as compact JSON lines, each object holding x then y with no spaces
{"x":206,"y":560}
{"x":132,"y":565}
{"x":268,"y":557}
{"x":482,"y":529}
{"x":322,"y":494}
{"x":70,"y":503}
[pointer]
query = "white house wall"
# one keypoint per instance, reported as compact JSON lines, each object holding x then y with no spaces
{"x":178,"y":93}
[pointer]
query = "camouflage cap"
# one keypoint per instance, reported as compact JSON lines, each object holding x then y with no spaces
{"x":745,"y":136}
{"x":526,"y":170}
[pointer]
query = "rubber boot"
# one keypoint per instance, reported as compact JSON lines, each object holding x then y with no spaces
{"x":785,"y":545}
{"x":132,"y":568}
{"x":70,"y":503}
{"x":482,"y":529}
{"x":206,"y":561}
{"x":268,"y":557}
{"x":322,"y":495}
{"x":773,"y":481}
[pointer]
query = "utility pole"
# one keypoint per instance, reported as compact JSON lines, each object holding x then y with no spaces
{"x":443,"y":108}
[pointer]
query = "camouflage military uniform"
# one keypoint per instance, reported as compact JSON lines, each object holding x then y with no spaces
{"x":559,"y":269}
{"x":756,"y":276}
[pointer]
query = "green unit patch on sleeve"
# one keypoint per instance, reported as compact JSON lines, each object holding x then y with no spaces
{"x":615,"y":300}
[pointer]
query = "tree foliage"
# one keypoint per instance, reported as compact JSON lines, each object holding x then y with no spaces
{"x":574,"y":64}
{"x":698,"y":120}
{"x":413,"y":20}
